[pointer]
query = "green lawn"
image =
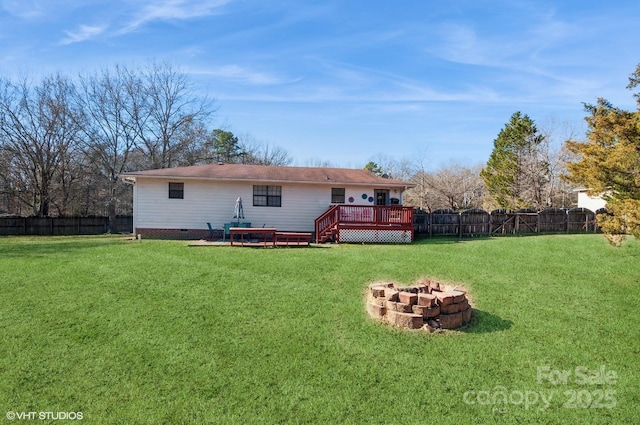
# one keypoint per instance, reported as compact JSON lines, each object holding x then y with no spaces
{"x":154,"y":332}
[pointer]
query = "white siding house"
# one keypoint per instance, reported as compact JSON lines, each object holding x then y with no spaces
{"x":593,"y":203}
{"x":179,"y":202}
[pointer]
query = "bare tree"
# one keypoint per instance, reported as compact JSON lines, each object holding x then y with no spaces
{"x":454,"y":186}
{"x":558,"y":191}
{"x":195,"y":140}
{"x":318,"y":163}
{"x":110,"y":101}
{"x":137,"y":120}
{"x":67,"y":184}
{"x":64,"y":145}
{"x":168,"y":106}
{"x":269,"y":155}
{"x":401,"y":169}
{"x":224,"y":146}
{"x":418,"y":196}
{"x":39,"y":128}
{"x":9,"y":183}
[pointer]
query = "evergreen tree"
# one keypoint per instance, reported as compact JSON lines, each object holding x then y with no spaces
{"x":374,"y":168}
{"x":226,"y":147}
{"x":608,"y":163}
{"x":518,"y":169}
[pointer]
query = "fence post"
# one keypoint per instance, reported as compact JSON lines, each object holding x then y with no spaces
{"x":586,"y":223}
{"x":489,"y":226}
{"x":489,"y":223}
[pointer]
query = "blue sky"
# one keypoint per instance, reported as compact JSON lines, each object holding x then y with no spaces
{"x":347,"y":81}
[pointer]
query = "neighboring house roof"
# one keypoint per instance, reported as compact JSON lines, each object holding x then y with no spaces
{"x":267,"y":173}
{"x":581,"y":189}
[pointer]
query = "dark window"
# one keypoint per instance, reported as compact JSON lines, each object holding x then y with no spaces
{"x":337,"y":195}
{"x":267,"y":196}
{"x":176,"y":190}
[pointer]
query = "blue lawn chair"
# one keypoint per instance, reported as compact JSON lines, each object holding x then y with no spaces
{"x":212,"y":232}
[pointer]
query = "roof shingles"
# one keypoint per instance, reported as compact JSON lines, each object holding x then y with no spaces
{"x":266,"y":173}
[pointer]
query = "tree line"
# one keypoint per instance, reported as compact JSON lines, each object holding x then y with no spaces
{"x":519,"y":174}
{"x":65,"y":141}
{"x":525,"y":171}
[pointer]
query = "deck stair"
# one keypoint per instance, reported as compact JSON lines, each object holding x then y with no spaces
{"x":327,"y":234}
{"x":327,"y":224}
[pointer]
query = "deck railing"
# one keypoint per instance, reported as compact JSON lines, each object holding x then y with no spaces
{"x":366,"y":217}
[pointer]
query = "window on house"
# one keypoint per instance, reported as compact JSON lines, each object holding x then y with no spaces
{"x":337,"y":195}
{"x":267,"y":196}
{"x":176,"y":190}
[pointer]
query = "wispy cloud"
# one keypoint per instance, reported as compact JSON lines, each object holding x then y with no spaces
{"x":172,"y":10}
{"x":532,"y":63}
{"x":338,"y":92}
{"x":25,"y":9}
{"x":462,"y":44}
{"x":83,"y":33}
{"x":348,"y":82}
{"x":143,"y":13}
{"x":243,"y":75}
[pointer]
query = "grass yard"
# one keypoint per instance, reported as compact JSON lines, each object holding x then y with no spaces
{"x":155,"y":332}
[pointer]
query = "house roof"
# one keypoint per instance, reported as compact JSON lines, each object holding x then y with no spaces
{"x":267,"y":173}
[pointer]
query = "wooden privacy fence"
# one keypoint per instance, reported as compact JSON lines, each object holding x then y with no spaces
{"x":478,"y":222}
{"x":58,"y":226}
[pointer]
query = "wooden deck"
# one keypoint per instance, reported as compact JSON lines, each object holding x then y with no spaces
{"x":369,"y":221}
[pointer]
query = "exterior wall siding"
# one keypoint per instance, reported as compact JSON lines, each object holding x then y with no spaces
{"x":593,"y":203}
{"x":214,"y":202}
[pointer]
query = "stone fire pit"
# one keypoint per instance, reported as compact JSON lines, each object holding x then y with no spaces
{"x":427,"y":304}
